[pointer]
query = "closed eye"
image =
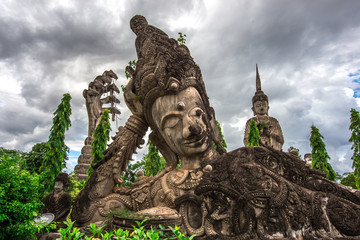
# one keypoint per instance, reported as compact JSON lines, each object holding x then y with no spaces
{"x":171,"y":122}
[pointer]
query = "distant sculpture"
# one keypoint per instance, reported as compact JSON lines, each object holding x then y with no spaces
{"x":95,"y":102}
{"x":249,"y":193}
{"x":308,"y":159}
{"x":58,"y":202}
{"x":269,"y":128}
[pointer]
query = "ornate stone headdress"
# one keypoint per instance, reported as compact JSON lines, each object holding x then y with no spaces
{"x":163,"y":68}
{"x":259,"y":94}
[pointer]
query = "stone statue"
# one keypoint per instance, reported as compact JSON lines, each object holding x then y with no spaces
{"x":249,"y":193}
{"x":269,"y":128}
{"x":58,"y":202}
{"x":308,"y":159}
{"x":95,"y":102}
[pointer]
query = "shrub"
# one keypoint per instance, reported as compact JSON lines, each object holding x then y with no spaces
{"x":19,"y":198}
{"x":139,"y":232}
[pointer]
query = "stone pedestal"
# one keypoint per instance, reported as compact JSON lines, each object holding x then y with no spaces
{"x":84,"y":160}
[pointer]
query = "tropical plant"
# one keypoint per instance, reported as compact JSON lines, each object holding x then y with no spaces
{"x":70,"y":232}
{"x":348,"y":179}
{"x":291,"y":148}
{"x":253,"y":138}
{"x":75,"y":185}
{"x":35,"y":158}
{"x":101,"y":137}
{"x":223,"y":143}
{"x":138,"y":233}
{"x":355,"y":139}
{"x":320,"y":157}
{"x":56,"y":155}
{"x":182,"y":38}
{"x":19,"y":198}
{"x":130,"y":175}
{"x":153,"y":163}
{"x":21,"y":162}
{"x":131,"y":64}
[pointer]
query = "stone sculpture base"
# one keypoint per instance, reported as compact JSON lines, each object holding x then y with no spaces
{"x":154,"y":217}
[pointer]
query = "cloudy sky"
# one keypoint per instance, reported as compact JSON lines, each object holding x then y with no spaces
{"x":307,"y":52}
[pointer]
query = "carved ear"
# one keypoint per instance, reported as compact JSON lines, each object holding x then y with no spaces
{"x":215,"y":132}
{"x":170,"y":157}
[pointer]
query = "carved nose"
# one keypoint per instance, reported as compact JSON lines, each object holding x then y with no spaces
{"x":191,"y":131}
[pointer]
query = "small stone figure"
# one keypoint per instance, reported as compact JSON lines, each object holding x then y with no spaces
{"x":308,"y":159}
{"x":58,"y":202}
{"x":269,"y":128}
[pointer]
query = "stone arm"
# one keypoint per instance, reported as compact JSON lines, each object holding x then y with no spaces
{"x":278,"y":136}
{"x":107,"y":176}
{"x":124,"y":145}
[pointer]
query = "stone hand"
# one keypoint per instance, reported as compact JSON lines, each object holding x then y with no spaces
{"x":132,"y":100}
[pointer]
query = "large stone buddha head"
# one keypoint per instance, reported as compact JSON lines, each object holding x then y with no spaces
{"x":168,"y":92}
{"x":182,"y":122}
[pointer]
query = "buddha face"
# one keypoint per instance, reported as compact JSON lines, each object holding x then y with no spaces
{"x":261,"y":108}
{"x":59,"y":186}
{"x":182,"y":122}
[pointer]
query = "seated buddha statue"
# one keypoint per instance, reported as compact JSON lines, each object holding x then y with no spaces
{"x":269,"y":128}
{"x":59,"y":201}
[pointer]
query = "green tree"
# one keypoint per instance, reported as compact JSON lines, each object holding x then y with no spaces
{"x":56,"y":155}
{"x":349,"y":180}
{"x":291,"y":148}
{"x":19,"y":198}
{"x":35,"y":158}
{"x":253,"y":138}
{"x":130,"y":175}
{"x":355,"y":139}
{"x":153,"y":163}
{"x":75,"y":185}
{"x":223,"y":143}
{"x":320,"y":157}
{"x":13,"y":152}
{"x":101,"y":137}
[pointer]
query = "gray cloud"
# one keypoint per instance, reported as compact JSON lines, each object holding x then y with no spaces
{"x":305,"y":51}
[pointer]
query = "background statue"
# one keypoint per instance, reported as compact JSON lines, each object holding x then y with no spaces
{"x":94,"y":101}
{"x":269,"y":128}
{"x":59,"y":201}
{"x":308,"y":159}
{"x":95,"y":105}
{"x":251,"y":192}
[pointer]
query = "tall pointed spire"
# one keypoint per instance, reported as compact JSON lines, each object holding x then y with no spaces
{"x":258,"y":80}
{"x":259,"y":94}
